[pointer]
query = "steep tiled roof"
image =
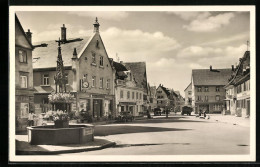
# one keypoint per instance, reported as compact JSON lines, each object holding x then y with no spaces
{"x":119,"y":66}
{"x":20,"y":36}
{"x":208,"y":77}
{"x":46,"y":57}
{"x":239,"y":74}
{"x":138,"y":69}
{"x":166,"y":90}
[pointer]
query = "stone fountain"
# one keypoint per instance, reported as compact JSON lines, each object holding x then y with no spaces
{"x":61,"y":132}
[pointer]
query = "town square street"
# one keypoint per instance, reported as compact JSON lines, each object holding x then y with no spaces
{"x":176,"y":135}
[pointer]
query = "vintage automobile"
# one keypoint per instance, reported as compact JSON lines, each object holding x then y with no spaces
{"x":125,"y":116}
{"x":157,"y":111}
{"x":186,"y":110}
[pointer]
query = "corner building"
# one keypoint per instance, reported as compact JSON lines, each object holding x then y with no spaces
{"x":88,"y":69}
{"x":24,"y":96}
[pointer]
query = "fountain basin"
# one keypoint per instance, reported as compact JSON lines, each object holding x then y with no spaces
{"x":49,"y":135}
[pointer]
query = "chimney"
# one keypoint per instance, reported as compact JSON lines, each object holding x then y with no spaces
{"x":96,"y":25}
{"x":63,"y":34}
{"x":29,"y":35}
{"x":74,"y":54}
{"x":232,"y":67}
{"x":210,"y":67}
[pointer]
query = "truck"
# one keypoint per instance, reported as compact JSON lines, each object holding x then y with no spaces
{"x":186,"y":110}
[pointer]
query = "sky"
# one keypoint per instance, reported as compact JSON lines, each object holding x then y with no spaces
{"x":171,"y":43}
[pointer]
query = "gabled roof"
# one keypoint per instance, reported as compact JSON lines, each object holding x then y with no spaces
{"x":47,"y":56}
{"x":165,"y":90}
{"x":119,"y":66}
{"x":138,"y":69}
{"x":20,"y":36}
{"x":237,"y":77}
{"x":204,"y":77}
{"x":187,"y":87}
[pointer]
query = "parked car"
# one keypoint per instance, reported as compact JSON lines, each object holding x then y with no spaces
{"x":186,"y":110}
{"x":125,"y":116}
{"x":157,"y":111}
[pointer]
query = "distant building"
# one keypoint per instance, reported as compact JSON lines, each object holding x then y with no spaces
{"x":208,"y":91}
{"x":238,"y":88}
{"x":138,"y":69}
{"x":180,"y":101}
{"x":188,"y":95}
{"x":166,"y":99}
{"x":88,"y":69}
{"x":128,"y":96}
{"x":152,"y":97}
{"x":24,"y":96}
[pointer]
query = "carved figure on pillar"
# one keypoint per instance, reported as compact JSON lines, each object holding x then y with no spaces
{"x":60,"y":78}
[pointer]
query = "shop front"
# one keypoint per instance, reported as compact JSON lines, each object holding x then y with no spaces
{"x":97,"y":105}
{"x":24,"y":103}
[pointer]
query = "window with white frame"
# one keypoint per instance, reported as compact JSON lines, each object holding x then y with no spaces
{"x":45,"y":79}
{"x":206,"y":89}
{"x":23,"y":81}
{"x":217,"y":88}
{"x":128,"y":95}
{"x":206,"y":98}
{"x":136,"y":95}
{"x":133,"y":95}
{"x":189,"y":92}
{"x":199,"y":89}
{"x":101,"y":83}
{"x":93,"y":81}
{"x":22,"y":56}
{"x":199,"y":98}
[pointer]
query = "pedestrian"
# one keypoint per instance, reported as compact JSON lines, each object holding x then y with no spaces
{"x":167,"y":111}
{"x":200,"y":112}
{"x":30,"y":118}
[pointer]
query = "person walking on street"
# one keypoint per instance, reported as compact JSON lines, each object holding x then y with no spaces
{"x":30,"y":118}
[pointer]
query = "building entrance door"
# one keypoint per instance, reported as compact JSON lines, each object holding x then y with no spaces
{"x":97,"y":108}
{"x":131,"y":109}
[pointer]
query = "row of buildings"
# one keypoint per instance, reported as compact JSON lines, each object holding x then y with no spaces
{"x":224,"y":91}
{"x":98,"y":84}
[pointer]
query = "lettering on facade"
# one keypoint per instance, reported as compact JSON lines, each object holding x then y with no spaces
{"x":87,"y":132}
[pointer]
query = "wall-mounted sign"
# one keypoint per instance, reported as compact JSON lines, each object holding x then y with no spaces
{"x":84,"y":84}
